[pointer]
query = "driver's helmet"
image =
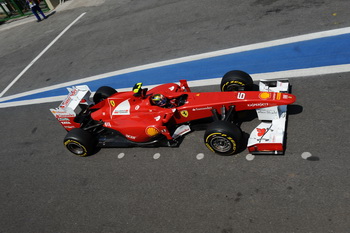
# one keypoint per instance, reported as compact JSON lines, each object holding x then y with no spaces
{"x":159,"y":100}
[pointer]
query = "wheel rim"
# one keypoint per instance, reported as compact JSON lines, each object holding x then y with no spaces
{"x":234,"y":87}
{"x":76,"y":148}
{"x":221,"y":144}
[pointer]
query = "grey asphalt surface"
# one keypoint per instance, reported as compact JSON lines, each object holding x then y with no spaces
{"x":46,"y":189}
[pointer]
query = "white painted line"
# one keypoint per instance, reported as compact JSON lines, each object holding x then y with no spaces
{"x":37,"y":58}
{"x":156,"y":156}
{"x":206,"y":82}
{"x":34,"y":101}
{"x":306,"y":155}
{"x":250,"y":157}
{"x":197,"y":83}
{"x":244,"y":48}
{"x":121,"y":155}
{"x":200,"y":156}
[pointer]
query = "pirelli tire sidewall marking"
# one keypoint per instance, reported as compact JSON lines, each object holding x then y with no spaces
{"x":213,"y":136}
{"x":232,"y":82}
{"x":71,"y":141}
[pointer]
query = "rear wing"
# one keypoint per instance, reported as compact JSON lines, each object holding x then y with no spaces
{"x":67,"y":110}
{"x":268,"y":137}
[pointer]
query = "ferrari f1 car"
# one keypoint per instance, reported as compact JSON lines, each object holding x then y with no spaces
{"x":162,"y":115}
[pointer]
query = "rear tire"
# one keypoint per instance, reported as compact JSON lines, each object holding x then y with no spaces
{"x":103,"y":93}
{"x":80,"y":142}
{"x":236,"y":80}
{"x":223,"y":138}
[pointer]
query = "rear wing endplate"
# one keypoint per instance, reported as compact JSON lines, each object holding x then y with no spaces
{"x":66,"y":111}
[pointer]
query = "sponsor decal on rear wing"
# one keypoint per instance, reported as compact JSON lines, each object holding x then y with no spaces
{"x":66,"y":111}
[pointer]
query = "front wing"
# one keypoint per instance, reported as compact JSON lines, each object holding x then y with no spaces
{"x":269,"y":136}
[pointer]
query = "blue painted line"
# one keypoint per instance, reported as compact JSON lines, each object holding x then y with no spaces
{"x":334,"y":50}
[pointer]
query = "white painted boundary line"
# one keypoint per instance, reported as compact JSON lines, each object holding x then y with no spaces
{"x":37,"y":58}
{"x":273,"y":75}
{"x":289,"y":40}
{"x":208,"y":82}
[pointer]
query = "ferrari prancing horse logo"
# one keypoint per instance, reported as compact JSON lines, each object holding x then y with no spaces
{"x":184,"y":113}
{"x":112,"y":103}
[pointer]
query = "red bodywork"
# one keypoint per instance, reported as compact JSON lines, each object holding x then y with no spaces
{"x":139,"y":121}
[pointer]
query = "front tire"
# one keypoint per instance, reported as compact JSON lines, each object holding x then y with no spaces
{"x":236,"y":80}
{"x":80,"y":142}
{"x":223,"y":138}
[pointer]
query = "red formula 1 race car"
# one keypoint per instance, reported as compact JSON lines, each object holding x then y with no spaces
{"x":162,"y":115}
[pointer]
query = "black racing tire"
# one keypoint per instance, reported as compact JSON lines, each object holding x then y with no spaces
{"x":236,"y":80}
{"x":80,"y":142}
{"x":103,"y":93}
{"x":223,"y":138}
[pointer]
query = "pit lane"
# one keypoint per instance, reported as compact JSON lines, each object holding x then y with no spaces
{"x":44,"y":188}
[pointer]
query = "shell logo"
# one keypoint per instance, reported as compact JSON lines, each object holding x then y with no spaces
{"x":264,"y":95}
{"x":152,"y":131}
